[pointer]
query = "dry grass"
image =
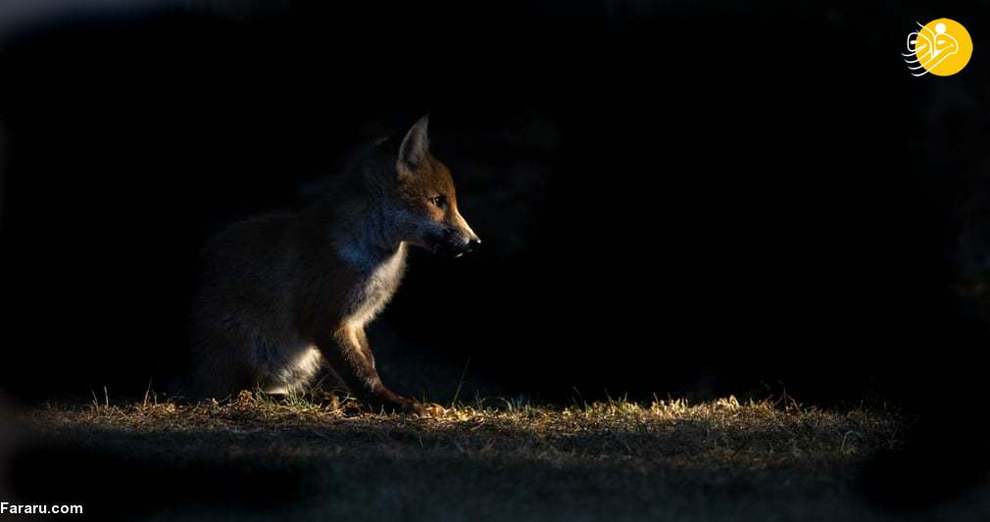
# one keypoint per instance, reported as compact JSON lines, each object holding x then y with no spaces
{"x":495,"y":459}
{"x":744,"y":436}
{"x":741,"y":437}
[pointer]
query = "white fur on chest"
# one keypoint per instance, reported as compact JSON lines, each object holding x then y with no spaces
{"x":378,"y":282}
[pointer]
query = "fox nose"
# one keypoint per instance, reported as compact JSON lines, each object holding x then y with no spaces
{"x":473,"y":244}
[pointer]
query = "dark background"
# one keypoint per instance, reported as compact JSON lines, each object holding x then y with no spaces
{"x":691,"y":199}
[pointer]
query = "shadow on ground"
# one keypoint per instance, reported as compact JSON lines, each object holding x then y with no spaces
{"x":256,"y":460}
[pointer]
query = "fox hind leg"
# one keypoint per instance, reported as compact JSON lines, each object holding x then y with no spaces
{"x":290,"y":372}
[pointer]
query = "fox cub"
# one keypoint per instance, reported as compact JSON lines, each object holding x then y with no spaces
{"x":282,"y":295}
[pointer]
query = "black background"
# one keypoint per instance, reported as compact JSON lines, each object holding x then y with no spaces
{"x":690,"y":199}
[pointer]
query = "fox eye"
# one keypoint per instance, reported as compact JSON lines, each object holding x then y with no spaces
{"x":440,"y":201}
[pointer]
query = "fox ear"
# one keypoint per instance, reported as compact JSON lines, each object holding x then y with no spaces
{"x":416,"y":143}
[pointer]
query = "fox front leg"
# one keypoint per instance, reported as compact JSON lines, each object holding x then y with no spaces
{"x":348,"y":353}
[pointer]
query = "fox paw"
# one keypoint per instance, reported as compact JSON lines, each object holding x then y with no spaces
{"x":430,"y":409}
{"x":424,"y":409}
{"x":394,"y":403}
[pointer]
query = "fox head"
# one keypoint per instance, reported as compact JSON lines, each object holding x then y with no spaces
{"x":425,"y":204}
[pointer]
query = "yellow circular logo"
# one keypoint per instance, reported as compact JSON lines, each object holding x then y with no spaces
{"x":941,"y":47}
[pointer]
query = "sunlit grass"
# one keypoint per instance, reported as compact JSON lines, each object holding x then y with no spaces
{"x":509,"y":457}
{"x":674,"y":432}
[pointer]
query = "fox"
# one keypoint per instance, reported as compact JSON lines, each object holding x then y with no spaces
{"x":282,"y":296}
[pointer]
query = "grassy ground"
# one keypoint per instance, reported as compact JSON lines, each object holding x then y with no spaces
{"x":254,"y":458}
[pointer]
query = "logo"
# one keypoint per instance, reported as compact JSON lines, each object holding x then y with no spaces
{"x":941,"y":47}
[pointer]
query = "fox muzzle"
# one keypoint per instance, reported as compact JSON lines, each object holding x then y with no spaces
{"x":455,"y":244}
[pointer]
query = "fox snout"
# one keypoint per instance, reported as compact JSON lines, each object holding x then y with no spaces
{"x":455,"y":243}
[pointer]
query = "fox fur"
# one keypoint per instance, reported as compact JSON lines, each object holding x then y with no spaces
{"x":283,"y":295}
